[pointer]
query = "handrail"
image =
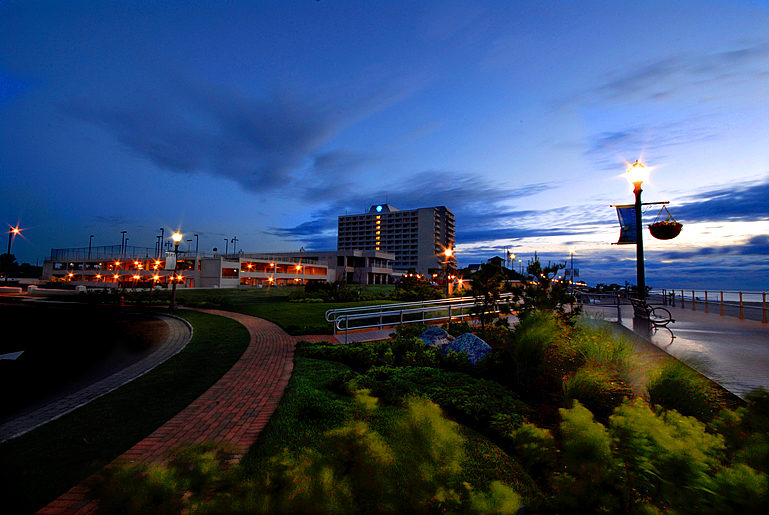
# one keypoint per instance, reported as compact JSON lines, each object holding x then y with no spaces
{"x":422,"y":303}
{"x":739,"y":301}
{"x":393,"y":314}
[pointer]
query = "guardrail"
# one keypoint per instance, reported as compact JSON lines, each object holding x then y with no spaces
{"x":382,"y":315}
{"x":726,"y":302}
{"x":742,"y":304}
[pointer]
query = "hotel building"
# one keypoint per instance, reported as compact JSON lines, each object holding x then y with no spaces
{"x":418,"y":238}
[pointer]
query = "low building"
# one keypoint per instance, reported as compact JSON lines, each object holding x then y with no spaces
{"x":138,"y":267}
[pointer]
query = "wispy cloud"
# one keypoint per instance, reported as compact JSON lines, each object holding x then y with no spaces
{"x":686,"y":73}
{"x":744,"y":201}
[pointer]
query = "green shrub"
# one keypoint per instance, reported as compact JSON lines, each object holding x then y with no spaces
{"x":416,"y":471}
{"x":484,"y":405}
{"x":456,"y":328}
{"x":678,"y":387}
{"x":598,"y":388}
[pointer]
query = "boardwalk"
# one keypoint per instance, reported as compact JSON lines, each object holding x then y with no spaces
{"x":730,"y":351}
{"x":232,"y":412}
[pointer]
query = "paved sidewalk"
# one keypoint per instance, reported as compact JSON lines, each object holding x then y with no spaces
{"x":233,"y":411}
{"x":180,"y":332}
{"x":732,"y":352}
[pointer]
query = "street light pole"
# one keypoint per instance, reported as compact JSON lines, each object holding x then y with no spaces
{"x":11,"y":234}
{"x":636,"y":175}
{"x":177,"y":238}
{"x":571,"y":275}
{"x":90,"y":239}
{"x":448,"y":254}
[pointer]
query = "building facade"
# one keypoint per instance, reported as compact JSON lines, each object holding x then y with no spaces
{"x":138,"y":267}
{"x":418,"y":238}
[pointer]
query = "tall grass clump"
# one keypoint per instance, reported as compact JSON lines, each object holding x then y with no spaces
{"x":676,"y":386}
{"x":416,"y":470}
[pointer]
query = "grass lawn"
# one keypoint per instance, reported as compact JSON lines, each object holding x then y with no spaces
{"x":41,"y":465}
{"x":298,"y":318}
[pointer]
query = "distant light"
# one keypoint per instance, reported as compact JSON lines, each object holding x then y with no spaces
{"x":379,"y":209}
{"x":177,"y":237}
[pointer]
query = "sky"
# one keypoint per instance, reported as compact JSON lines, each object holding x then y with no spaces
{"x":265,"y":121}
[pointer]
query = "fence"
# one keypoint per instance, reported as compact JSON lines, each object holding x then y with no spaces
{"x":751,"y":305}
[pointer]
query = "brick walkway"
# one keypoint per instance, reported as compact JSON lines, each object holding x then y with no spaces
{"x":233,"y":411}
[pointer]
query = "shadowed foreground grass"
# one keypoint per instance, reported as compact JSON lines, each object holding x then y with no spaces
{"x":41,"y":465}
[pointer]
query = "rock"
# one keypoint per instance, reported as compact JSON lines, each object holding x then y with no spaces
{"x":474,"y":347}
{"x":435,"y":336}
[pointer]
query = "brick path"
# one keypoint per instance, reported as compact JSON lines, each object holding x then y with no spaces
{"x":233,"y":411}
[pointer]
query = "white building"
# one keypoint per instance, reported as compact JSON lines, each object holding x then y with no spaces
{"x":138,"y":267}
{"x":418,"y":238}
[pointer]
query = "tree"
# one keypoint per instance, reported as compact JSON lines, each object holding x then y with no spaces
{"x":540,"y":292}
{"x":488,"y":285}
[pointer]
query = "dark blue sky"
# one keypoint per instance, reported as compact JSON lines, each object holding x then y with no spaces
{"x":267,"y":120}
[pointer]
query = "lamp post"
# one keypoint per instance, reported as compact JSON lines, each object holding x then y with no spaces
{"x":636,"y":175}
{"x":197,"y":244}
{"x":90,"y":239}
{"x":11,"y":235}
{"x":449,"y":252}
{"x":122,"y":243}
{"x":177,"y":238}
{"x":226,"y":247}
{"x":571,"y":274}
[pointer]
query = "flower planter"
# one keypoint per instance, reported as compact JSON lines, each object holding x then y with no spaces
{"x":666,"y":230}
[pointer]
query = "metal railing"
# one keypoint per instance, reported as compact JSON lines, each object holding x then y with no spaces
{"x":741,"y":304}
{"x":384,"y":315}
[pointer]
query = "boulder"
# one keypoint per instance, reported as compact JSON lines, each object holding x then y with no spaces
{"x":435,"y":336}
{"x":474,"y":347}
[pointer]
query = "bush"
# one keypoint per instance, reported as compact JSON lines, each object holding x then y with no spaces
{"x":416,"y":471}
{"x":483,"y":405}
{"x":598,"y":388}
{"x":675,"y":386}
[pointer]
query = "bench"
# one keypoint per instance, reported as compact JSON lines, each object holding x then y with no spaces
{"x":658,"y":316}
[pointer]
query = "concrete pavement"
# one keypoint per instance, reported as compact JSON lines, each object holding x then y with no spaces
{"x":732,"y":352}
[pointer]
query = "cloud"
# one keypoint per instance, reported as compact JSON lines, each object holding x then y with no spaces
{"x":257,"y":143}
{"x":686,"y":73}
{"x":480,"y":206}
{"x":745,"y":201}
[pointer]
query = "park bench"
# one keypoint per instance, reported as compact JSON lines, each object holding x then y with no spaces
{"x":658,"y":316}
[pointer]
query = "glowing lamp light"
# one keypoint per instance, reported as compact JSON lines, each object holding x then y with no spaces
{"x":637,"y":173}
{"x":177,"y":237}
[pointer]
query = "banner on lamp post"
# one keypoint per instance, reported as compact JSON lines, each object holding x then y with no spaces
{"x":627,"y":224}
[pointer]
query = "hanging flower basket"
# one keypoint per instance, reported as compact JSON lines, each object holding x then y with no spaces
{"x":666,"y":230}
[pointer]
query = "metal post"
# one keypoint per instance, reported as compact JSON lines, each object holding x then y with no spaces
{"x":742,"y":316}
{"x":619,"y":309}
{"x":722,"y":304}
{"x":763,"y":318}
{"x":694,"y":304}
{"x":641,"y":279}
{"x":707,"y":308}
{"x":664,"y":297}
{"x":682,"y":299}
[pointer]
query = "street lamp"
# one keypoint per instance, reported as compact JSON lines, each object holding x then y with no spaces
{"x":90,"y":239}
{"x":11,"y":235}
{"x":177,"y":238}
{"x":636,"y":175}
{"x":571,"y":274}
{"x":449,"y":252}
